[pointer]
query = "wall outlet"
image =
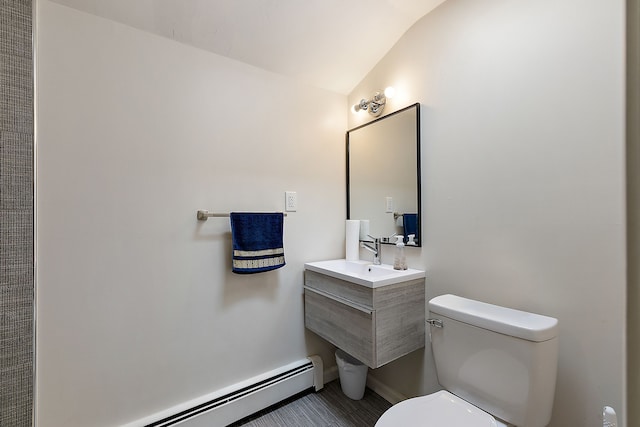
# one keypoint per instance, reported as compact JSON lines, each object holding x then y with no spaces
{"x":290,"y":201}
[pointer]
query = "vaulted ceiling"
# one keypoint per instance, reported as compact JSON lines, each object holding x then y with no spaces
{"x":331,"y":44}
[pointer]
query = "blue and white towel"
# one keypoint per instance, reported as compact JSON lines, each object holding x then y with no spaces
{"x":257,"y":241}
{"x":410,"y":224}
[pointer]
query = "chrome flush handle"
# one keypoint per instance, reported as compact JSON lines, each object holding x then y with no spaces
{"x":435,"y":323}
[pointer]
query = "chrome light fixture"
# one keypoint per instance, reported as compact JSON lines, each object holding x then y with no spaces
{"x":376,"y":104}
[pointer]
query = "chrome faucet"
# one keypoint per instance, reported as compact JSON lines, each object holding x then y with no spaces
{"x":375,"y":249}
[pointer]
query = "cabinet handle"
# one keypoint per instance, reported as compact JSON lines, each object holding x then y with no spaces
{"x":341,"y":300}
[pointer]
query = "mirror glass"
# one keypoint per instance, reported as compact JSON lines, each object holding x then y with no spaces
{"x":383,"y":175}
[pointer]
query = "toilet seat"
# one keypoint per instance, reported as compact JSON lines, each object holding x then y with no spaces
{"x":441,"y":409}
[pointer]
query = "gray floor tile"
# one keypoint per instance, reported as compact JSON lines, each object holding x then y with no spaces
{"x":327,"y":408}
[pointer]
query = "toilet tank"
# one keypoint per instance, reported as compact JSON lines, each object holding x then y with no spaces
{"x":501,"y":360}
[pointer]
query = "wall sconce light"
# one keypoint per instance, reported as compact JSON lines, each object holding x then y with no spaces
{"x":376,"y":104}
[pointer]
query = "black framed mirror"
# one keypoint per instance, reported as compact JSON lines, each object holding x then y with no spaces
{"x":383,"y":175}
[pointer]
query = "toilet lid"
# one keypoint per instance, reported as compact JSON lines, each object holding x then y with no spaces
{"x":438,"y":409}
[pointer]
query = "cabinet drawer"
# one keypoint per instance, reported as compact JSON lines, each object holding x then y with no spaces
{"x":346,"y":325}
{"x":360,"y":295}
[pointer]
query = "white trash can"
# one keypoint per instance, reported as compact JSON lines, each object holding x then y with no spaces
{"x":353,"y":375}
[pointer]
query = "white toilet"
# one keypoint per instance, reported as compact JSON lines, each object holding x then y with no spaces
{"x":498,"y":367}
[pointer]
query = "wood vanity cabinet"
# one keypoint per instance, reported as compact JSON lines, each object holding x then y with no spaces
{"x":374,"y":325}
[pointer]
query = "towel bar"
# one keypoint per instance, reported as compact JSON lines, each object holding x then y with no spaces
{"x":203,"y":215}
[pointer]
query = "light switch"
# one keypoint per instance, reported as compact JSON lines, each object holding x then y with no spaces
{"x":389,"y":204}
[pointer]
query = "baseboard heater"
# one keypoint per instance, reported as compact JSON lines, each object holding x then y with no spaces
{"x":240,"y":400}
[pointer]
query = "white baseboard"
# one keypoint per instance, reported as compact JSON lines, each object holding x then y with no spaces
{"x":330,"y":374}
{"x":387,"y":393}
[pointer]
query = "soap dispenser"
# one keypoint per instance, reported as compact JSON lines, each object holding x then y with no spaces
{"x":400,"y":260}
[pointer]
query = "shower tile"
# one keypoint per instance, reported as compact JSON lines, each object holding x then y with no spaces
{"x":17,"y":346}
{"x":16,"y":171}
{"x":16,"y":399}
{"x":15,"y":27}
{"x":16,"y":247}
{"x":16,"y":353}
{"x":16,"y":312}
{"x":16,"y":94}
{"x":16,"y":213}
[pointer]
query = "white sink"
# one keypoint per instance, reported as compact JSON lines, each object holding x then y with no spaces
{"x":364,"y":273}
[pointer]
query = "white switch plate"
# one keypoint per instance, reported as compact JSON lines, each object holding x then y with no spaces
{"x":389,"y":204}
{"x":290,"y":201}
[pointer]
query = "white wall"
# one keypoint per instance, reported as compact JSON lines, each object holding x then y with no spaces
{"x":633,"y":210}
{"x":523,"y":176}
{"x":137,"y":309}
